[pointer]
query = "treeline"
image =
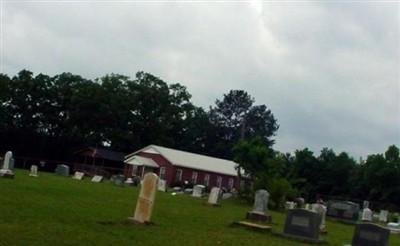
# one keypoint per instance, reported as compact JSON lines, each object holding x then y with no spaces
{"x":50,"y":117}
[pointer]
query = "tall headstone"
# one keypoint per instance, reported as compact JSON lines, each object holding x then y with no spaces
{"x":144,"y":206}
{"x":320,"y":209}
{"x":34,"y":170}
{"x":302,"y":224}
{"x":8,"y":165}
{"x":260,"y":207}
{"x":162,"y":185}
{"x":371,"y":235}
{"x":198,"y":190}
{"x":214,"y":196}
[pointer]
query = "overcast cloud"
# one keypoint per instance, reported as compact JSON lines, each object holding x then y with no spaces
{"x":329,"y":71}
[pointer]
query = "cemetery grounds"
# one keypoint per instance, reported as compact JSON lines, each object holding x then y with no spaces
{"x":53,"y":210}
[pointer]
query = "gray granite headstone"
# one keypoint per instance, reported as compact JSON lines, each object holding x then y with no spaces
{"x":260,"y":207}
{"x":119,"y":179}
{"x":62,"y":170}
{"x":302,"y":224}
{"x":198,"y":190}
{"x":343,"y":210}
{"x":367,"y":234}
{"x":383,"y":215}
{"x":144,"y":206}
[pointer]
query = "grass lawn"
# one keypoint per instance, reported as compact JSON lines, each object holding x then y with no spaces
{"x":53,"y":210}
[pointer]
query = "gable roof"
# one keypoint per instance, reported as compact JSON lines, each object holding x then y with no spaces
{"x":141,"y":161}
{"x":191,"y":160}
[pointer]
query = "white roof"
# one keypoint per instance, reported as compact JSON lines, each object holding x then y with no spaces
{"x":191,"y":160}
{"x":141,"y":161}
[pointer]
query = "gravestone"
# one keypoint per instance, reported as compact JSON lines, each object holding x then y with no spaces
{"x":289,"y":205}
{"x":34,"y":170}
{"x":383,"y":216}
{"x":78,"y":175}
{"x":128,"y":182}
{"x":97,"y":178}
{"x":343,"y":210}
{"x":119,"y":179}
{"x":366,"y":215}
{"x":367,"y":234}
{"x":320,"y":209}
{"x":144,"y":206}
{"x":302,"y":224}
{"x":198,"y":190}
{"x":62,"y":170}
{"x":162,"y":185}
{"x":260,"y":208}
{"x":214,"y":196}
{"x":394,"y":227}
{"x":8,"y":166}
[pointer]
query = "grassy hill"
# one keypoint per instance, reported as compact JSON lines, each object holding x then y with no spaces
{"x":53,"y":210}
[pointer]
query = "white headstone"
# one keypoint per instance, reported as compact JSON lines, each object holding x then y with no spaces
{"x":214,"y":195}
{"x":7,"y":160}
{"x":366,"y":215}
{"x":198,"y":190}
{"x":162,"y":185}
{"x":8,"y":165}
{"x":78,"y":175}
{"x":97,"y":178}
{"x":383,"y":216}
{"x":144,"y":206}
{"x":34,"y":169}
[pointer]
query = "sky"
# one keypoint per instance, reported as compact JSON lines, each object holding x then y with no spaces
{"x":328,"y":70}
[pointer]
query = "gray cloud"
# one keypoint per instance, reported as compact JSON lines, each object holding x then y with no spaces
{"x":329,"y":71}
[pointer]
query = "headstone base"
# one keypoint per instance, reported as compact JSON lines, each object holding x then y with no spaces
{"x":33,"y":175}
{"x":304,"y":239}
{"x":6,"y":173}
{"x":259,"y":217}
{"x":252,"y":226}
{"x":132,"y":220}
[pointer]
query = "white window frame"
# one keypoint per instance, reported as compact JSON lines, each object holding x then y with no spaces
{"x":134,"y":170}
{"x":219,"y":181}
{"x":178,"y":176}
{"x":162,"y":173}
{"x":207,"y":179}
{"x":231,"y":182}
{"x":194,"y":177}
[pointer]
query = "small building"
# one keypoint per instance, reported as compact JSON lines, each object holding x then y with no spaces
{"x":181,"y":168}
{"x":98,"y":161}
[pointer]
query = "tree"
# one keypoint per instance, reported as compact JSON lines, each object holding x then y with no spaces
{"x":236,"y":118}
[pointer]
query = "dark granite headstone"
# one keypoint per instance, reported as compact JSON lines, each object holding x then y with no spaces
{"x":367,"y":234}
{"x":302,"y":224}
{"x":62,"y":170}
